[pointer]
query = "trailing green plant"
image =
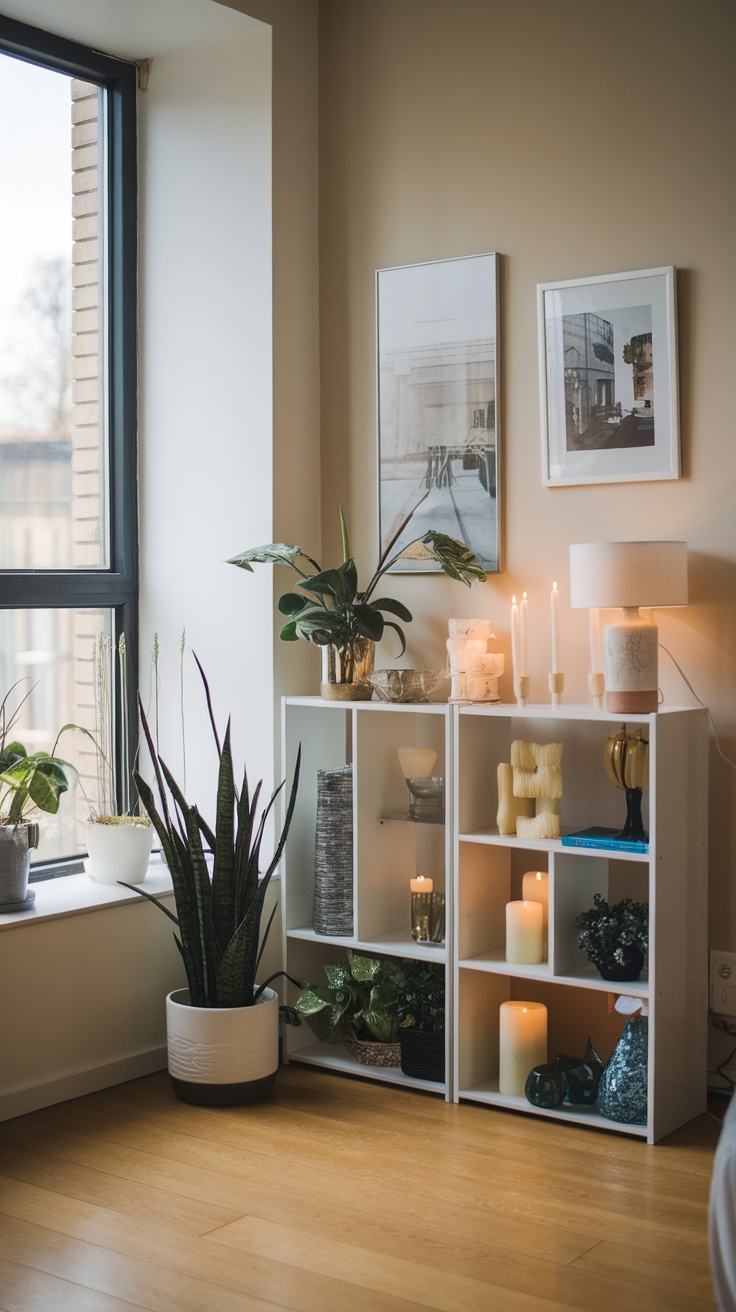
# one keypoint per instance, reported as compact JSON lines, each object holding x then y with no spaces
{"x":332,"y":608}
{"x":218,"y":916}
{"x":359,"y":1001}
{"x":421,"y":1002}
{"x":28,"y":782}
{"x":605,"y":930}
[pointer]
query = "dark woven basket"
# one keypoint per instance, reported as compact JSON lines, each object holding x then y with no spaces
{"x":423,"y":1054}
{"x":369,"y":1053}
{"x":333,"y":863}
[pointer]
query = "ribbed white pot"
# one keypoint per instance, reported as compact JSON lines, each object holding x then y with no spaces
{"x":222,"y":1056}
{"x":118,"y":852}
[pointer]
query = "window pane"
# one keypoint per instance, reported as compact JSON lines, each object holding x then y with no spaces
{"x":52,"y":464}
{"x":47,"y":657}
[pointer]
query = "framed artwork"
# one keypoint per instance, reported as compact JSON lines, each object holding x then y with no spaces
{"x":437,"y":405}
{"x":608,"y":378}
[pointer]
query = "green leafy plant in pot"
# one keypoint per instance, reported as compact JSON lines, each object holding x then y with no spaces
{"x":223,"y":1014}
{"x":332,"y":611}
{"x":615,"y":937}
{"x":421,"y":1012}
{"x":29,"y":782}
{"x":358,"y":1006}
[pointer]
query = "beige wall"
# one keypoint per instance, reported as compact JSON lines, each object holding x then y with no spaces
{"x":575,"y":140}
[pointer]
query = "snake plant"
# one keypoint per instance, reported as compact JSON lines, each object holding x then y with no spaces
{"x":218,"y":915}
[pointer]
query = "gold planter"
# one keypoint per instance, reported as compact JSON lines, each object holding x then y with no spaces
{"x":345,"y":669}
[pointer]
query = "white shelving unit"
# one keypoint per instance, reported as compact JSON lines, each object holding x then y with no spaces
{"x":671,"y":877}
{"x":388,"y":850}
{"x":480,"y":870}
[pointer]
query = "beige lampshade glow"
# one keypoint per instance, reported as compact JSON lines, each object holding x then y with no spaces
{"x":610,"y":574}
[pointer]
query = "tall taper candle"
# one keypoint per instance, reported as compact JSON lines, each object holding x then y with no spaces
{"x":523,"y":635}
{"x":555,"y":607}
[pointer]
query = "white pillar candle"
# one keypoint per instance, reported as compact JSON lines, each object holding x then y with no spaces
{"x":421,"y":884}
{"x":483,"y":662}
{"x":596,"y":649}
{"x":466,"y":644}
{"x":416,"y":761}
{"x":515,"y":636}
{"x":535,"y":888}
{"x":522,"y":1044}
{"x":555,"y":607}
{"x":524,"y":933}
{"x":524,"y":636}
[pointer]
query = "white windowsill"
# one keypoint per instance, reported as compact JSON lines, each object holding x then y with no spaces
{"x":75,"y":895}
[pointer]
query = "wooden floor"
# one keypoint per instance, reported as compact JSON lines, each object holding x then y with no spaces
{"x":341,"y":1194}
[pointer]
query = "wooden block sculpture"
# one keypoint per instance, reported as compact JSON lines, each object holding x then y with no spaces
{"x":529,"y":790}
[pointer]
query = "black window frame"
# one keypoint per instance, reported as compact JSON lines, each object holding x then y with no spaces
{"x":115,"y":587}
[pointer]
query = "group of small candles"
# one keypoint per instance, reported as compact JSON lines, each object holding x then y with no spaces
{"x":520,"y":650}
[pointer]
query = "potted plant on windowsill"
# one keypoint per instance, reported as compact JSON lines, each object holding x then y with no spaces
{"x":119,"y":840}
{"x":358,"y":1006}
{"x":421,"y":1011}
{"x":333,"y":612}
{"x":222,"y":1030}
{"x":615,"y":937}
{"x":28,"y":783}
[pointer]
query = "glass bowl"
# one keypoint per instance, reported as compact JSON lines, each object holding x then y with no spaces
{"x":408,"y":685}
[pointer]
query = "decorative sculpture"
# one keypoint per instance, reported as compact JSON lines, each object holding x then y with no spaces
{"x":530,"y":807}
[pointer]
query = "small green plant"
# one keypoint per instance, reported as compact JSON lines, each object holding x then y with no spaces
{"x":332,"y":608}
{"x":218,"y":915}
{"x":27,"y":782}
{"x":360,"y":1000}
{"x":421,"y":1002}
{"x":606,"y":931}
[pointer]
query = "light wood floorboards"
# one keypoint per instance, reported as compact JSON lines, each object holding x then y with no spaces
{"x":340,"y":1194}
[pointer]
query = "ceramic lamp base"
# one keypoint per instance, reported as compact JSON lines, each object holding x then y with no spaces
{"x":631,"y":664}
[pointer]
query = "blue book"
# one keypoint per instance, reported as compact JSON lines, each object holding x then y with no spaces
{"x":600,"y":837}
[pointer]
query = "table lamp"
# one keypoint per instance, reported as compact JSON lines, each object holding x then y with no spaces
{"x":629,"y":575}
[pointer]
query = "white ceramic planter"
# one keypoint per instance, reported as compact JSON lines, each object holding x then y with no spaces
{"x":118,"y":852}
{"x":222,"y":1056}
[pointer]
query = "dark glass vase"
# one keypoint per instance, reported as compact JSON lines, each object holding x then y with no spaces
{"x":622,"y":1092}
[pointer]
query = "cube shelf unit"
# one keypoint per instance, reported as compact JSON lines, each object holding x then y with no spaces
{"x":480,"y":870}
{"x":388,"y":850}
{"x":671,"y":877}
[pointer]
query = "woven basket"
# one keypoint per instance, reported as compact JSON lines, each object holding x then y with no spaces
{"x":423,"y":1054}
{"x":333,"y":857}
{"x":375,"y":1054}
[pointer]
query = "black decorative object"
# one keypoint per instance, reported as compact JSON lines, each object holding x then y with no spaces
{"x":546,"y":1085}
{"x":333,"y":862}
{"x":423,"y":1054}
{"x":582,"y":1076}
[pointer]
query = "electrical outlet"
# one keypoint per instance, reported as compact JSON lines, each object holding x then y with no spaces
{"x":723,"y":983}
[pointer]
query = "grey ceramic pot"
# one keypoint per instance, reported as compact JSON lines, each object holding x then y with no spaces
{"x":16,"y":842}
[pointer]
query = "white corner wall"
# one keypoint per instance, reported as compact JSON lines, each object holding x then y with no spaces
{"x":205,"y":424}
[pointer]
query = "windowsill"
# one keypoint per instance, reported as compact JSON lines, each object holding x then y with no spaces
{"x":75,"y":895}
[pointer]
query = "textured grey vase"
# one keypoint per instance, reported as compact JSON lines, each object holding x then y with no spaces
{"x":16,"y":842}
{"x":622,"y":1092}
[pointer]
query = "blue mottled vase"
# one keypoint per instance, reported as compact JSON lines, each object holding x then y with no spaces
{"x":622,"y":1092}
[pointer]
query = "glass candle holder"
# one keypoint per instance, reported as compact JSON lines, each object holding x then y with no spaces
{"x":428,"y":917}
{"x":427,"y":798}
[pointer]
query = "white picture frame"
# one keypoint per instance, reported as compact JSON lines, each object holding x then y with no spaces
{"x":437,"y":406}
{"x":608,"y":378}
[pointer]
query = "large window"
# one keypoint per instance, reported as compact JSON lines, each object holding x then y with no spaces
{"x":68,"y":521}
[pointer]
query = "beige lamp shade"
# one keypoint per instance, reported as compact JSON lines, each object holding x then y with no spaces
{"x":629,"y":575}
{"x":604,"y":574}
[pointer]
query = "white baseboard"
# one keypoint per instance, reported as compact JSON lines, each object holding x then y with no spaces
{"x":22,"y":1101}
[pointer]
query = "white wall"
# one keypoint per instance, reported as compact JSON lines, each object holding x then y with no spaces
{"x":206,"y":394}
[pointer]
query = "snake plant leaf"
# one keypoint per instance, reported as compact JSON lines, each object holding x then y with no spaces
{"x":223,"y":870}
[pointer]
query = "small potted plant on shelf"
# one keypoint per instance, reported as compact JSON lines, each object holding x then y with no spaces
{"x":346,"y":621}
{"x":222,"y":1030}
{"x":119,"y":840}
{"x":615,"y":937}
{"x":29,"y":782}
{"x":358,"y":1007}
{"x":421,"y":1011}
